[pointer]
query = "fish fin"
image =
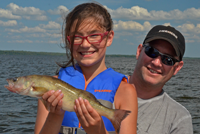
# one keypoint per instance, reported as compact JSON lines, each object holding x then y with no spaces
{"x":119,"y":115}
{"x":38,"y":91}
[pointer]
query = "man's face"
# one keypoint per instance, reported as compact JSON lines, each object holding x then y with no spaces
{"x":151,"y":70}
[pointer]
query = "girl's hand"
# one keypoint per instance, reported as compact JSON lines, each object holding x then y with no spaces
{"x":53,"y":101}
{"x":89,"y":118}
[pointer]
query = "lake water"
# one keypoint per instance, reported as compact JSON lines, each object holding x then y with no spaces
{"x":18,"y":113}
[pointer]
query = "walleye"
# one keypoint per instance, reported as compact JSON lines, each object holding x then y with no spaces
{"x":37,"y":85}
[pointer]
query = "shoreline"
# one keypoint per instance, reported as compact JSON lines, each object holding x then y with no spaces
{"x":14,"y":52}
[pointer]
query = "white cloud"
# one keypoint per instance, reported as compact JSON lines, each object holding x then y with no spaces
{"x":189,"y":41}
{"x":30,"y":13}
{"x":24,"y":10}
{"x":134,"y":13}
{"x":8,"y":23}
{"x":167,"y":24}
{"x":8,"y":14}
{"x":42,"y":17}
{"x":55,"y":35}
{"x":51,"y":25}
{"x":26,"y":29}
{"x":39,"y":41}
{"x":60,"y":10}
{"x":192,"y":13}
{"x":14,"y":37}
{"x":27,"y":17}
{"x":53,"y":42}
{"x":194,"y":37}
{"x":189,"y":27}
{"x":20,"y":41}
{"x":131,"y":25}
{"x":36,"y":35}
{"x":34,"y":29}
{"x":147,"y":25}
{"x":139,"y":13}
{"x":191,"y":32}
{"x":13,"y":30}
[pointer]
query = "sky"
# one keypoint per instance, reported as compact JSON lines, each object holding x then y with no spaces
{"x":37,"y":25}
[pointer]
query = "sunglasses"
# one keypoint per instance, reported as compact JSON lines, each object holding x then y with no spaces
{"x":153,"y":53}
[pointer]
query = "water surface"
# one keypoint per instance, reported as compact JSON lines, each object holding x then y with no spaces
{"x":18,"y":113}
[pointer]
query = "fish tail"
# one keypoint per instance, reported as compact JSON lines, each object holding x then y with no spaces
{"x":119,"y":115}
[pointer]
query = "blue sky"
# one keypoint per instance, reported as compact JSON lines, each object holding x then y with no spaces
{"x":36,"y":25}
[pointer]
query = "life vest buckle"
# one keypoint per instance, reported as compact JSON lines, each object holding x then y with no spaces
{"x":71,"y":130}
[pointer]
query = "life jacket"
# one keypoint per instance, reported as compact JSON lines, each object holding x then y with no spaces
{"x":103,"y":87}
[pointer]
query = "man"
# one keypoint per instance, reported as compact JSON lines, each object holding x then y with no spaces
{"x":158,"y":59}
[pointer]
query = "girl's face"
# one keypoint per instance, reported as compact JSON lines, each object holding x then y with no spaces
{"x":89,"y":54}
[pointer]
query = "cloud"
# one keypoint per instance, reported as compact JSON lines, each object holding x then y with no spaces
{"x":28,"y":30}
{"x":34,"y":29}
{"x":167,"y":24}
{"x":191,"y":32}
{"x":131,"y":25}
{"x":42,"y":18}
{"x":54,"y":35}
{"x":12,"y":30}
{"x":36,"y":35}
{"x":189,"y":27}
{"x":60,"y":10}
{"x":39,"y":35}
{"x":14,"y":36}
{"x":134,"y":13}
{"x":139,"y":13}
{"x":24,"y":41}
{"x":39,"y":41}
{"x":20,"y":41}
{"x":8,"y":23}
{"x":8,"y":14}
{"x":24,"y":10}
{"x":53,"y":42}
{"x":51,"y":25}
{"x":29,"y":13}
{"x":192,"y":13}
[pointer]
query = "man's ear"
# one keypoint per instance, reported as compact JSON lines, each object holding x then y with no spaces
{"x":139,"y":49}
{"x":178,"y":67}
{"x":110,"y":38}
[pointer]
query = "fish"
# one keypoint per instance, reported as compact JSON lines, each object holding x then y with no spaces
{"x":37,"y":85}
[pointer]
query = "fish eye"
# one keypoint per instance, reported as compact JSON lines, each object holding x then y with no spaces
{"x":15,"y":79}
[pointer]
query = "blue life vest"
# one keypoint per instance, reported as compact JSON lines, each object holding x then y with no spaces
{"x":103,"y":86}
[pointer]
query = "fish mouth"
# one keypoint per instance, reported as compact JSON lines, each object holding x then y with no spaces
{"x":10,"y":85}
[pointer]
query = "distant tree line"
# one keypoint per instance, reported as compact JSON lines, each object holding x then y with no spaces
{"x":13,"y":52}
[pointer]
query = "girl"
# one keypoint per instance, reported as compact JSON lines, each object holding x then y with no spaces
{"x":88,"y":32}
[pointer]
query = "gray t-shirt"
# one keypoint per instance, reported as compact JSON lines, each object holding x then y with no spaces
{"x":163,"y":115}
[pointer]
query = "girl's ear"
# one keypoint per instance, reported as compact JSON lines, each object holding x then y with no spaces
{"x":110,"y":38}
{"x":139,"y":49}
